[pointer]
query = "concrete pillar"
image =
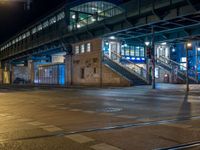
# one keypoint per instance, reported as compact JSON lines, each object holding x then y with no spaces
{"x":69,"y":70}
{"x":7,"y":74}
{"x":31,"y":71}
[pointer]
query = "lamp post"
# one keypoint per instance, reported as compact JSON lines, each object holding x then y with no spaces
{"x":197,"y":63}
{"x":147,"y":43}
{"x":153,"y":59}
{"x":188,"y":47}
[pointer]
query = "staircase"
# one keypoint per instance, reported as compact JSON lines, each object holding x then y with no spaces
{"x":135,"y":74}
{"x":169,"y":64}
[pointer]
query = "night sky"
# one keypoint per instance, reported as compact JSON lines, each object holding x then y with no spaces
{"x":13,"y":17}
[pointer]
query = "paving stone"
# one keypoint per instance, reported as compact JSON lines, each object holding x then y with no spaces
{"x":79,"y":138}
{"x":104,"y":146}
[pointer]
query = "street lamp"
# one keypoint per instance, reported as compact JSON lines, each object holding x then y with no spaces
{"x":147,"y":43}
{"x":188,"y":47}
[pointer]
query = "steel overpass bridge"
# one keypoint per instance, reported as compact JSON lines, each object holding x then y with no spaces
{"x":172,"y":21}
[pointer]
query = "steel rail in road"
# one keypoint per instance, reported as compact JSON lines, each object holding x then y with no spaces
{"x":115,"y":127}
{"x":182,"y":146}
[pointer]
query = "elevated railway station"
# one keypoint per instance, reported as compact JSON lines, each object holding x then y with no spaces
{"x":107,"y":43}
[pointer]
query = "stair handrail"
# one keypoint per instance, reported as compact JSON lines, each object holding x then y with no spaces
{"x":172,"y":61}
{"x":176,"y":63}
{"x":142,"y":73}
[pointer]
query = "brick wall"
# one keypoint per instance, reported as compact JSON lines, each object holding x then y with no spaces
{"x":87,"y":69}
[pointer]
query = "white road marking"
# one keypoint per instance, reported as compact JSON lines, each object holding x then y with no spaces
{"x":24,"y":120}
{"x":4,"y":115}
{"x":104,"y":146}
{"x":79,"y":138}
{"x":51,"y":128}
{"x":64,"y":108}
{"x":52,"y":106}
{"x":89,"y":112}
{"x":60,"y":104}
{"x":75,"y":110}
{"x":36,"y":123}
{"x":107,"y":114}
{"x":126,"y":116}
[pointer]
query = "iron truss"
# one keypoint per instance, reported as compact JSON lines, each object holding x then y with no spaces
{"x":176,"y":30}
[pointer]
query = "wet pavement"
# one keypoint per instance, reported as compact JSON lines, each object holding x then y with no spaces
{"x":135,"y":118}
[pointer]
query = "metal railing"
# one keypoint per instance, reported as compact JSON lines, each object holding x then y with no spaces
{"x":171,"y":64}
{"x":129,"y":65}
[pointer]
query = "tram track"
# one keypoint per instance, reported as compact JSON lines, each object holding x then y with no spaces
{"x":182,"y":146}
{"x":110,"y":128}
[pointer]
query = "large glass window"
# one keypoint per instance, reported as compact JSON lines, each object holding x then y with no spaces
{"x":142,"y":53}
{"x":137,"y":51}
{"x":90,"y":12}
{"x":127,"y":51}
{"x":132,"y":51}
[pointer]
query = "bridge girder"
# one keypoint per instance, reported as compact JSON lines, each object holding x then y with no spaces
{"x":167,"y":20}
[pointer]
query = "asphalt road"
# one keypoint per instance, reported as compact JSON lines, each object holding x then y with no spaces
{"x":135,"y":118}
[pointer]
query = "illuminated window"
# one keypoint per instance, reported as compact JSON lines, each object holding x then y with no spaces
{"x":52,"y":20}
{"x":127,"y":51}
{"x":88,"y":47}
{"x":137,"y":51}
{"x":132,"y":52}
{"x":34,"y":30}
{"x":27,"y":34}
{"x":82,"y":48}
{"x":23,"y":36}
{"x":76,"y":49}
{"x":39,"y":27}
{"x":60,"y":16}
{"x":142,"y":51}
{"x":157,"y":73}
{"x":122,"y":51}
{"x":45,"y":24}
{"x":20,"y":38}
